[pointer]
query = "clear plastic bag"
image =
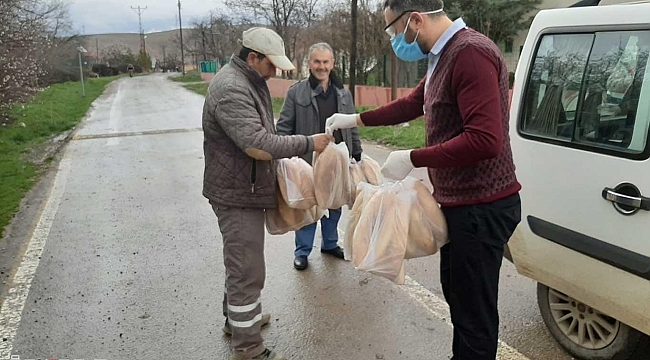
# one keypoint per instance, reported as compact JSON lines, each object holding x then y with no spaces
{"x":296,"y":181}
{"x":371,"y":170}
{"x":283,"y":219}
{"x":356,"y":177}
{"x":399,"y":220}
{"x":426,"y":222}
{"x":379,"y":240}
{"x":363,"y":193}
{"x":332,"y":176}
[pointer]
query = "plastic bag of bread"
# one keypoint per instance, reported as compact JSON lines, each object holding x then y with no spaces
{"x":371,"y":170}
{"x":380,"y":237}
{"x":427,"y":224}
{"x":296,"y":180}
{"x":332,"y":176}
{"x":363,"y":193}
{"x":283,"y":219}
{"x":400,"y":220}
{"x":356,"y":177}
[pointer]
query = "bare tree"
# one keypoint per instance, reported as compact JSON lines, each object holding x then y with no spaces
{"x":191,"y":44}
{"x":173,"y":60}
{"x":58,"y":20}
{"x":372,"y":43}
{"x":225,"y":34}
{"x":218,"y":36}
{"x":288,"y":18}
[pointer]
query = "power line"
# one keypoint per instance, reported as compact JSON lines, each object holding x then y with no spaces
{"x":140,"y":10}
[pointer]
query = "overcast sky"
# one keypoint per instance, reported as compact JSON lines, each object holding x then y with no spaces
{"x":116,"y":16}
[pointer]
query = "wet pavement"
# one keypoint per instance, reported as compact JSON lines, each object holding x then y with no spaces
{"x":126,"y":263}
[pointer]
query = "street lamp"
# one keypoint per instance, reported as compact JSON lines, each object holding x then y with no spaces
{"x":81,"y":50}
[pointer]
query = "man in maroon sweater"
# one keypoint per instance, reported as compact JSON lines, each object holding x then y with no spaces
{"x":464,"y":100}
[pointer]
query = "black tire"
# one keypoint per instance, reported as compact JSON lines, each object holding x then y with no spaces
{"x":621,"y":348}
{"x":507,"y":254}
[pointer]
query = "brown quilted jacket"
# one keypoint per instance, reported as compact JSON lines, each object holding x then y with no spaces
{"x":240,"y":143}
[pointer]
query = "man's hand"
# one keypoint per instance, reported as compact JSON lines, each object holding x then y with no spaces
{"x":321,"y":141}
{"x":342,"y":121}
{"x":398,"y":165}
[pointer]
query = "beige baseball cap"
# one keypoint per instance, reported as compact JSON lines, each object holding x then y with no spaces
{"x":268,"y":42}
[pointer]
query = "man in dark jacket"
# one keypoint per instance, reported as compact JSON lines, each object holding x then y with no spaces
{"x":306,"y":107}
{"x":240,"y":146}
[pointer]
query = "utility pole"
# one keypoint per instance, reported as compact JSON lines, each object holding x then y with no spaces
{"x":180,"y":26}
{"x":353,"y":48}
{"x":140,"y":10}
{"x":97,"y":46}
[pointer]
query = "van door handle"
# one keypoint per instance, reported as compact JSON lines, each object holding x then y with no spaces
{"x":639,"y":202}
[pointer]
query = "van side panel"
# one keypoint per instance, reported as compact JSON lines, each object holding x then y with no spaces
{"x":613,"y":291}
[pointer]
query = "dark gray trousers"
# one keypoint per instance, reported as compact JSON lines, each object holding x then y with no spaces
{"x":243,"y":255}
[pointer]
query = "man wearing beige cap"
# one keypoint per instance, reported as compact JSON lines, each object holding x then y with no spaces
{"x":240,"y":146}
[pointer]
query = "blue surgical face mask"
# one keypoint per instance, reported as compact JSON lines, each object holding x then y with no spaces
{"x":409,"y":51}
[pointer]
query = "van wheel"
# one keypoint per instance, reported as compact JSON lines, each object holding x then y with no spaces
{"x":583,"y":331}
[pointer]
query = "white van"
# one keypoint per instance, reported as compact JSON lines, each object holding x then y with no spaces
{"x":580,"y":118}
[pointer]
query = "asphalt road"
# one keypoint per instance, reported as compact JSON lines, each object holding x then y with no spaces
{"x":125,"y":262}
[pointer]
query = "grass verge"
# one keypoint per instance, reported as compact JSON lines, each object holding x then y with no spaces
{"x":399,"y":136}
{"x":198,"y":88}
{"x":190,"y":76}
{"x":405,"y":137}
{"x":411,"y":136}
{"x":49,"y":113}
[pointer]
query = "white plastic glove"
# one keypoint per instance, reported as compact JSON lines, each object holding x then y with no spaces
{"x":398,"y":165}
{"x":340,"y":121}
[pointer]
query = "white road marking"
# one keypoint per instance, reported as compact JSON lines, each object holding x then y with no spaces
{"x":440,"y":310}
{"x":12,"y":308}
{"x":114,"y":114}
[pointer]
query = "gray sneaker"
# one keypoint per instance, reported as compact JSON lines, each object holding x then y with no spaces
{"x":266,"y":318}
{"x":266,"y":355}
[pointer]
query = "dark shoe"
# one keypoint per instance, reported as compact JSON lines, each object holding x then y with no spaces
{"x":266,"y":355}
{"x":300,"y":262}
{"x":266,"y":319}
{"x":337,"y":252}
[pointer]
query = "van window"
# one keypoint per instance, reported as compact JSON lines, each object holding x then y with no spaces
{"x":554,"y":85}
{"x":613,"y":109}
{"x":592,"y":90}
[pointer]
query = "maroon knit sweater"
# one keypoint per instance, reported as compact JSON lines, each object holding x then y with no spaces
{"x":468,"y":152}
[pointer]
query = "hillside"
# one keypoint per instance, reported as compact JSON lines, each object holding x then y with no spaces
{"x":154,"y":43}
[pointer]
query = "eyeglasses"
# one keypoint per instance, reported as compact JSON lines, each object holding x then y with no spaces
{"x":391,"y":31}
{"x":389,"y":28}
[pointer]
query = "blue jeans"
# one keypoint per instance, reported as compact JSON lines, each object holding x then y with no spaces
{"x":329,"y":229}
